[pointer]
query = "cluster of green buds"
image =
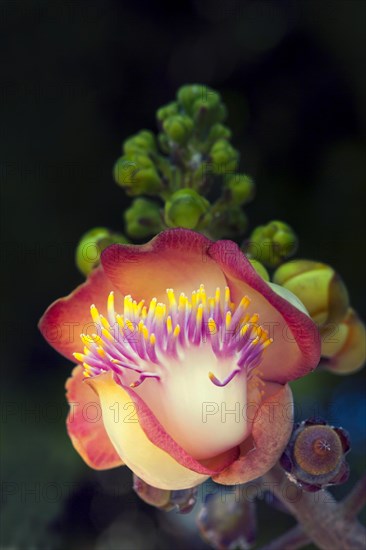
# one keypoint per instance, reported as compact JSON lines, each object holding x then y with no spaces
{"x":315,"y":455}
{"x":191,"y":156}
{"x":322,"y":291}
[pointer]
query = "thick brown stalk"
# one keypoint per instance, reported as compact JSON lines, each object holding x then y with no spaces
{"x":327,"y":523}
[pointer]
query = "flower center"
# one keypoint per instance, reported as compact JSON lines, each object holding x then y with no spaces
{"x":191,"y":350}
{"x":149,"y":337}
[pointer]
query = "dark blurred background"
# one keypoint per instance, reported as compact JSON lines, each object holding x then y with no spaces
{"x":76,"y":79}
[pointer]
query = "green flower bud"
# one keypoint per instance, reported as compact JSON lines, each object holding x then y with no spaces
{"x":167,"y":110}
{"x":241,"y":188}
{"x":137,"y":175}
{"x":189,"y":93}
{"x":143,"y":142}
{"x":178,"y":128}
{"x":182,"y":500}
{"x":224,"y":157}
{"x":141,"y":159}
{"x":208,"y":110}
{"x":218,"y":131}
{"x":164,"y":143}
{"x":202,"y":103}
{"x":344,"y":345}
{"x":91,"y":245}
{"x":143,"y":219}
{"x":272,"y":243}
{"x":185,"y":208}
{"x":319,"y":288}
{"x":147,"y":181}
{"x":260,"y":269}
{"x":227,"y":221}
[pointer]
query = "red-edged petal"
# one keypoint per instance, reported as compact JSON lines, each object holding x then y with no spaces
{"x":295,"y":350}
{"x":176,"y":258}
{"x":272,"y":427}
{"x":144,"y":445}
{"x":65,"y":319}
{"x":85,"y":425}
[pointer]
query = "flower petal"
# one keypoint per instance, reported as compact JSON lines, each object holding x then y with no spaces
{"x":176,"y":258}
{"x":65,"y":319}
{"x":272,"y":427}
{"x":296,"y":344}
{"x":161,"y":438}
{"x":156,"y":459}
{"x":85,"y":425}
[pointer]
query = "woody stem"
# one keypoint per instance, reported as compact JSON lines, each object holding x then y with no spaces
{"x":326,"y":522}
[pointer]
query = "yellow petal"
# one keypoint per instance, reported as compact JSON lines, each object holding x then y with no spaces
{"x":145,"y":459}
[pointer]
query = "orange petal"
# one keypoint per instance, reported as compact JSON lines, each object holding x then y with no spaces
{"x":85,"y":425}
{"x":65,"y":319}
{"x":272,"y":427}
{"x":176,"y":258}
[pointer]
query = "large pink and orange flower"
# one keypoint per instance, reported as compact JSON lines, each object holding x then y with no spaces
{"x":187,"y":352}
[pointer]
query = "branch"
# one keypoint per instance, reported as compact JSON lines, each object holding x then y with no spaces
{"x":355,"y":500}
{"x":292,"y":540}
{"x":321,"y":518}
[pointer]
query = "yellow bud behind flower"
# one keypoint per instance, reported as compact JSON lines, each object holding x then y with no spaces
{"x":260,"y":269}
{"x":344,"y":345}
{"x":319,"y":288}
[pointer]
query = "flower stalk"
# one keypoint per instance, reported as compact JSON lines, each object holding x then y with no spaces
{"x":327,"y":523}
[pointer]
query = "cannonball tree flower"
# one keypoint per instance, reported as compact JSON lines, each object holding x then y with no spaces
{"x":188,"y":351}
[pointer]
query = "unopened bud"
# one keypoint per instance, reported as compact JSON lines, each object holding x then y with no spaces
{"x":218,"y":131}
{"x":240,"y":187}
{"x":272,"y":243}
{"x":166,"y":111}
{"x":178,"y":128}
{"x":188,"y":94}
{"x":318,"y":286}
{"x":91,"y":245}
{"x":143,"y":142}
{"x":185,"y":208}
{"x":143,"y":219}
{"x":224,"y":157}
{"x":227,"y":221}
{"x":344,"y":345}
{"x":137,"y":175}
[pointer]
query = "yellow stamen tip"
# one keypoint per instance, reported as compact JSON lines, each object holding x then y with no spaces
{"x":228,"y":319}
{"x":227,"y":294}
{"x":94,"y":313}
{"x":107,"y":334}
